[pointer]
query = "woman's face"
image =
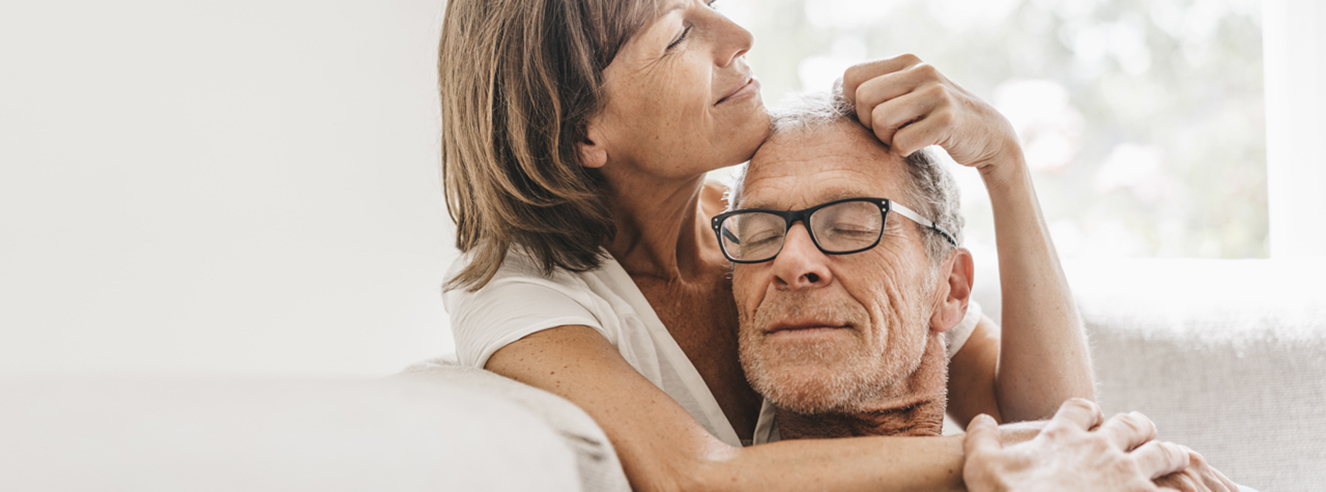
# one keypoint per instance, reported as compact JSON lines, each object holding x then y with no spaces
{"x":681,"y":99}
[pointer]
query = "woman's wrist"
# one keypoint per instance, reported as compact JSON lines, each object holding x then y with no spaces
{"x":1007,"y":175}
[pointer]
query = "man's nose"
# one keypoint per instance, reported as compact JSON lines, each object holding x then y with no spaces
{"x":800,"y":265}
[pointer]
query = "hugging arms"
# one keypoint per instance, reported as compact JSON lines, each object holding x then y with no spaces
{"x":576,"y":138}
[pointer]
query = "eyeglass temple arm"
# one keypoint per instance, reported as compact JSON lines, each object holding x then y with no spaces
{"x":909,"y":213}
{"x":730,"y":236}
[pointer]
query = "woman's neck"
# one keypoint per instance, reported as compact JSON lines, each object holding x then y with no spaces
{"x":661,"y":227}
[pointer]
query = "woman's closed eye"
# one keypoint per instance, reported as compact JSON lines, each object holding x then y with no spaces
{"x":680,"y":38}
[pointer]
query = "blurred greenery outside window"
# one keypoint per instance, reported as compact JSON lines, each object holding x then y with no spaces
{"x":1143,"y":121}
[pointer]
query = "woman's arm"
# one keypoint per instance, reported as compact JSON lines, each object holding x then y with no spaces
{"x":663,"y":448}
{"x":1042,"y":330}
{"x":972,"y":373}
{"x":1043,"y":358}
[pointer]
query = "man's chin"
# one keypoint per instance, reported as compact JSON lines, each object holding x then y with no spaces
{"x":808,"y":388}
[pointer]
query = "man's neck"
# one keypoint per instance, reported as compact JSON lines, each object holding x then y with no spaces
{"x":914,"y":407}
{"x":922,"y":419}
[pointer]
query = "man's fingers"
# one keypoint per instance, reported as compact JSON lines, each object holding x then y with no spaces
{"x":982,"y":436}
{"x":1076,"y":412}
{"x":1212,"y":477}
{"x":859,"y":74}
{"x":1157,"y":459}
{"x":1128,"y":430}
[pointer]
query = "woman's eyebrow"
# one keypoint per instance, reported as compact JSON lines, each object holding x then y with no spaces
{"x":675,"y":7}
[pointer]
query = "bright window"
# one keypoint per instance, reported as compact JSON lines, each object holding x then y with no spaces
{"x":1143,"y":120}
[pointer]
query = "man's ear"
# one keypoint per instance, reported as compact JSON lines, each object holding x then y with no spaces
{"x":593,"y":151}
{"x":956,"y":277}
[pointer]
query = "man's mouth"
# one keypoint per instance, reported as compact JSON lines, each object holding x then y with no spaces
{"x":804,"y":327}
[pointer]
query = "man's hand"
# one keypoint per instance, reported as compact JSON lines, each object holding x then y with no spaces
{"x":910,"y":105}
{"x":1119,"y":455}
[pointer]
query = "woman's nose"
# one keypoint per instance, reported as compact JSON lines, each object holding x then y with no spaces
{"x":800,"y":265}
{"x":733,"y":41}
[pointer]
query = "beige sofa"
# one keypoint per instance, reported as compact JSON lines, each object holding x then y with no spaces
{"x":1226,"y":356}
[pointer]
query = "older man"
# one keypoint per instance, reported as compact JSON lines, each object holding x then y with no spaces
{"x":842,"y":313}
{"x":848,"y":272}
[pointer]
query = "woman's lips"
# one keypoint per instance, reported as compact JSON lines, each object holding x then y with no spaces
{"x":750,"y":88}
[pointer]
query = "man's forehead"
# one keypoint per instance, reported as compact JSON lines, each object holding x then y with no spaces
{"x":798,"y":169}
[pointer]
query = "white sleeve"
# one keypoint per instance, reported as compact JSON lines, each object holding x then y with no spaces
{"x":959,"y":334}
{"x":514,"y":304}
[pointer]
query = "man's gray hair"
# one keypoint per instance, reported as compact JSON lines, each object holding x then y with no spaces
{"x":932,"y":192}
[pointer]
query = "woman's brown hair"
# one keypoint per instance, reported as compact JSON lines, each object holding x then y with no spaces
{"x":519,"y":80}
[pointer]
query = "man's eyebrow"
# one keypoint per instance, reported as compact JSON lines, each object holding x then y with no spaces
{"x":824,"y":197}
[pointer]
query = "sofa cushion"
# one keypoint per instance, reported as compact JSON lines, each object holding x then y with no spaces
{"x":596,"y":460}
{"x":1225,"y":356}
{"x":154,"y":434}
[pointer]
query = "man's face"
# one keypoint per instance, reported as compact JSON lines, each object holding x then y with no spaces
{"x":823,"y":333}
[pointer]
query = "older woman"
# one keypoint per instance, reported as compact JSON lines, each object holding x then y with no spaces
{"x":576,"y":138}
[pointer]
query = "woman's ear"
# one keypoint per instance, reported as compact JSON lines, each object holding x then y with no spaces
{"x":956,"y":277}
{"x":593,"y":151}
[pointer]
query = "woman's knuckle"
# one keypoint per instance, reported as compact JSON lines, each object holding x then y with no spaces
{"x":1057,"y":432}
{"x":854,"y":74}
{"x":942,"y":117}
{"x":1123,"y":466}
{"x":1083,"y":404}
{"x":937,"y":91}
{"x":1135,"y":424}
{"x":928,"y":71}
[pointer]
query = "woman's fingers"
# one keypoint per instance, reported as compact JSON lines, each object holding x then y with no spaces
{"x":857,"y":75}
{"x":935,"y":128}
{"x":886,"y":87}
{"x":1157,"y":459}
{"x":1128,"y":430}
{"x":895,"y":114}
{"x":982,"y":436}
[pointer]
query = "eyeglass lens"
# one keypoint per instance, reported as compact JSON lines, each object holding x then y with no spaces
{"x":839,"y":228}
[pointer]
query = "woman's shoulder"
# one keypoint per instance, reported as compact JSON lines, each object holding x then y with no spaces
{"x":519,"y":300}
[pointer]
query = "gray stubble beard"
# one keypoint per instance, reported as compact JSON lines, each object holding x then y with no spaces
{"x":862,"y":376}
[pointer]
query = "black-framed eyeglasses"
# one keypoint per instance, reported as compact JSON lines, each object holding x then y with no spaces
{"x":839,"y":227}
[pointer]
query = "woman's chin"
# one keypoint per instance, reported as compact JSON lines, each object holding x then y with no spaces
{"x":747,"y":137}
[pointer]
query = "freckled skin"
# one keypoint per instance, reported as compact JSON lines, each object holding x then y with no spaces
{"x":887,"y":373}
{"x":688,"y":131}
{"x":667,"y":121}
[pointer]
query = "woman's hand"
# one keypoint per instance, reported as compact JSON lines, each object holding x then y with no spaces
{"x":910,"y":105}
{"x":1199,"y":476}
{"x":1119,"y":455}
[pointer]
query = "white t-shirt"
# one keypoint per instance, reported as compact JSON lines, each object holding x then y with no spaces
{"x":520,"y":300}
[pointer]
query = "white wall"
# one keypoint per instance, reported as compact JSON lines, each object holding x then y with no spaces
{"x":1295,"y":46}
{"x":224,"y":187}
